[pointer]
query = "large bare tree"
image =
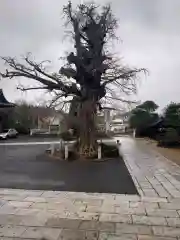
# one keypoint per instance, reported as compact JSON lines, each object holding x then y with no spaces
{"x":91,"y":74}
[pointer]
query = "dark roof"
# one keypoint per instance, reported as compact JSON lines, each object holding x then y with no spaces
{"x":3,"y":101}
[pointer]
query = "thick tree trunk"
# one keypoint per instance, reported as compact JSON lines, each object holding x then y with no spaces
{"x":87,"y":130}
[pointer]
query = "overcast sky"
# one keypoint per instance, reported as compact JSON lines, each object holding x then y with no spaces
{"x":149,"y":30}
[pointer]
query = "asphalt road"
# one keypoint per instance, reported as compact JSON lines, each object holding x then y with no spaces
{"x":28,"y":167}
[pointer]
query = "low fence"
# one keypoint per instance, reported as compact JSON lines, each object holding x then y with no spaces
{"x":43,"y":133}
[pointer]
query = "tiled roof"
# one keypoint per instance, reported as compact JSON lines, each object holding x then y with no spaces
{"x":3,"y":101}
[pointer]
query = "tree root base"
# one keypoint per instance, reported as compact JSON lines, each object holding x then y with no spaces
{"x":86,"y":154}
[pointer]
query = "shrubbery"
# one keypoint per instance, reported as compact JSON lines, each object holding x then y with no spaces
{"x":21,"y":129}
{"x":67,"y":136}
{"x":169,"y":138}
{"x":109,"y":151}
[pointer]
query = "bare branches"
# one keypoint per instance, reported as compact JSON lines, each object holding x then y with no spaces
{"x":121,"y":99}
{"x":36,"y":71}
{"x":109,"y":22}
{"x":124,"y":81}
{"x":39,"y":68}
{"x":90,"y":73}
{"x":122,"y":78}
{"x":24,"y":89}
{"x":90,"y":26}
{"x":68,"y":11}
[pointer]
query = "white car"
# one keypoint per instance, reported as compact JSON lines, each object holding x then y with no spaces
{"x":9,"y":133}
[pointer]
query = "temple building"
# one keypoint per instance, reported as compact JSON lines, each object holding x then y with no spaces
{"x":5,"y":110}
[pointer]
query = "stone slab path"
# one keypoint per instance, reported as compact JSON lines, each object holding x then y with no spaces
{"x":154,"y":214}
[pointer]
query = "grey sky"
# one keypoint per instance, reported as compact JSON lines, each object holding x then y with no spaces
{"x":149,"y":30}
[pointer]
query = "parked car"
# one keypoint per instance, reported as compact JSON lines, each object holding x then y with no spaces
{"x":9,"y":133}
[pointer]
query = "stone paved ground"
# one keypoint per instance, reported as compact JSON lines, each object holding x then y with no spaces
{"x":154,"y":214}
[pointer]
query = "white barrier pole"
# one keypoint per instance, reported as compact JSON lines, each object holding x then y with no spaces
{"x":99,"y":151}
{"x":52,"y":149}
{"x":60,"y":145}
{"x":66,"y":151}
{"x":118,"y":145}
{"x":134,"y":133}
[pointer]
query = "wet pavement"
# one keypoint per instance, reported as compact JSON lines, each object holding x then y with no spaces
{"x":154,"y":214}
{"x":28,"y":167}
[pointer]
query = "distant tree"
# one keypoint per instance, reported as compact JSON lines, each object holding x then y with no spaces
{"x":143,"y":115}
{"x":169,"y":138}
{"x":172,"y":115}
{"x":25,"y":116}
{"x":149,"y":106}
{"x":21,"y":117}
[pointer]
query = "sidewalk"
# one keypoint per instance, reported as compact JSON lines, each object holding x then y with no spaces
{"x":154,"y":214}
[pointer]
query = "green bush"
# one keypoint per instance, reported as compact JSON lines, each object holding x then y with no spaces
{"x":67,"y":136}
{"x":109,"y":151}
{"x":169,"y":139}
{"x":22,"y":129}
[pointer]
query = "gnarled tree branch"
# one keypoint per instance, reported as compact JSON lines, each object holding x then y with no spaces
{"x":35,"y":71}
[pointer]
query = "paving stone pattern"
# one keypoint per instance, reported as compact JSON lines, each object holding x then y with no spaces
{"x":154,"y":214}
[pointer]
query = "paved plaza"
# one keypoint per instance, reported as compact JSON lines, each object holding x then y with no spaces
{"x":154,"y":214}
{"x":29,"y":167}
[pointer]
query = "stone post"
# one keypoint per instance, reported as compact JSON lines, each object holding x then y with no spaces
{"x":66,"y":151}
{"x":107,"y":120}
{"x":52,"y":149}
{"x":134,"y":133}
{"x":60,"y":144}
{"x":99,"y":151}
{"x":118,"y":146}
